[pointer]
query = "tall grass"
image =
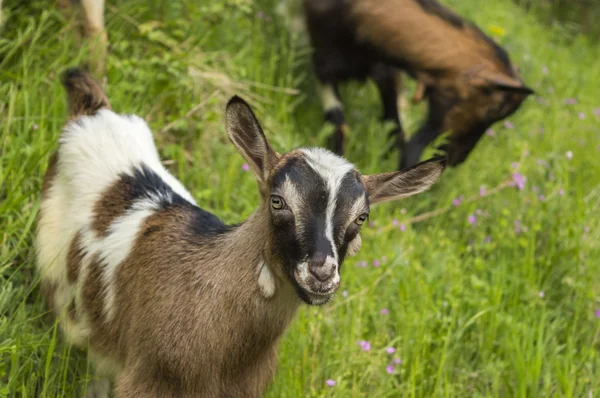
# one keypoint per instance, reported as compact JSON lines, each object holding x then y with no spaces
{"x":501,"y":303}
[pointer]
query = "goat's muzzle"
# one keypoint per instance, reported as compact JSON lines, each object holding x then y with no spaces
{"x":318,"y":277}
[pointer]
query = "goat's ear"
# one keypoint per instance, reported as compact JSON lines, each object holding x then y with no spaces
{"x":246,"y":134}
{"x":503,"y":82}
{"x":396,"y":185}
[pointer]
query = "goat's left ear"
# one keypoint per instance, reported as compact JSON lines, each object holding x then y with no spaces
{"x":502,"y":82}
{"x":396,"y":185}
{"x":246,"y":134}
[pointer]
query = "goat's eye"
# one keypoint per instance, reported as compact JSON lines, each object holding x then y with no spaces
{"x":362,"y":218}
{"x":277,"y":202}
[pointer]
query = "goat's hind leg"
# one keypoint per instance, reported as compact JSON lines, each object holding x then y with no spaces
{"x":334,"y":114}
{"x":388,"y":81}
{"x":105,"y":371}
{"x":95,"y":31}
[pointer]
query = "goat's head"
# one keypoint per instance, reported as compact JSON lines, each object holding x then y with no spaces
{"x":468,"y":105}
{"x":316,"y":203}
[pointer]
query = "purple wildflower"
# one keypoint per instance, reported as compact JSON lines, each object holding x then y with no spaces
{"x":472,"y":219}
{"x":402,"y":227}
{"x":519,"y":180}
{"x":384,"y":311}
{"x":514,"y":165}
{"x":365,"y":345}
{"x":542,"y":197}
{"x":245,"y":167}
{"x":597,"y":313}
{"x":561,"y":192}
{"x":518,"y":227}
{"x":35,"y":126}
{"x":488,"y":239}
{"x":541,"y":294}
{"x":456,"y":202}
{"x":376,"y":263}
{"x":372,"y":224}
{"x":395,"y":222}
{"x":390,"y":369}
{"x":362,"y":264}
{"x":581,"y":115}
{"x":260,"y":14}
{"x":397,"y":361}
{"x":570,"y":101}
{"x":596,"y":111}
{"x":482,"y":190}
{"x":492,"y":133}
{"x":390,"y":350}
{"x":331,"y":383}
{"x":508,"y":124}
{"x":569,"y":155}
{"x":345,"y":293}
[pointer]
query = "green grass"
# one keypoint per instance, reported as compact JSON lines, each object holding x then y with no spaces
{"x":467,"y":315}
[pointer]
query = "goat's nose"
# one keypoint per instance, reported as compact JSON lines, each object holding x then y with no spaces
{"x":322,"y":267}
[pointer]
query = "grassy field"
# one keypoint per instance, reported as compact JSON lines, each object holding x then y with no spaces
{"x":495,"y":291}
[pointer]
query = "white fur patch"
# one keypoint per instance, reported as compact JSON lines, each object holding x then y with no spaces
{"x":94,"y":151}
{"x":266,"y":280}
{"x":329,"y":98}
{"x":117,"y":246}
{"x":332,"y":169}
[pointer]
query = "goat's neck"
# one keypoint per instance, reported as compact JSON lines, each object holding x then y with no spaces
{"x":246,"y":250}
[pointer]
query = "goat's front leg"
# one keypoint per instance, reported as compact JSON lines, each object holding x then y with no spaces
{"x":334,"y":113}
{"x":388,"y":81}
{"x":95,"y":31}
{"x":416,"y":145}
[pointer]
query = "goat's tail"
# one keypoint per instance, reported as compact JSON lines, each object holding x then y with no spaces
{"x":85,"y":95}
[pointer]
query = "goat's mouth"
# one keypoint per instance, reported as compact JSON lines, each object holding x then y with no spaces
{"x":313,"y":291}
{"x":314,"y":298}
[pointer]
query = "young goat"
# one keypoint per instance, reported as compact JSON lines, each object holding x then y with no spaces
{"x":90,"y":24}
{"x":170,"y":301}
{"x":467,"y":78}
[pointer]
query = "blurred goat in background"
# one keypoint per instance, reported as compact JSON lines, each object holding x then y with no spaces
{"x":467,"y":78}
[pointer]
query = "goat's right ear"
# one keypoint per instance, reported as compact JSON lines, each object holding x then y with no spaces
{"x":246,"y":134}
{"x":396,"y":185}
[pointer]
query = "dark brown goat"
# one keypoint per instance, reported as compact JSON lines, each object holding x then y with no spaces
{"x":467,"y":78}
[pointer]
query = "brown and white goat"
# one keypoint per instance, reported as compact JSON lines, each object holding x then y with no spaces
{"x":90,"y":24}
{"x":467,"y":78}
{"x":170,"y":301}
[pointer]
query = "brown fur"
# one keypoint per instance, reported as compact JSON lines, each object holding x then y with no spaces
{"x":173,"y":357}
{"x":85,"y":95}
{"x":74,"y":258}
{"x":50,"y":174}
{"x":114,"y":203}
{"x":48,"y":292}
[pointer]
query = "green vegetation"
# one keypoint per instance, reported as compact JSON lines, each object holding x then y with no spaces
{"x":497,"y":296}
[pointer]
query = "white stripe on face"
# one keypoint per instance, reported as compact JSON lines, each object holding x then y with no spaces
{"x":332,"y":169}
